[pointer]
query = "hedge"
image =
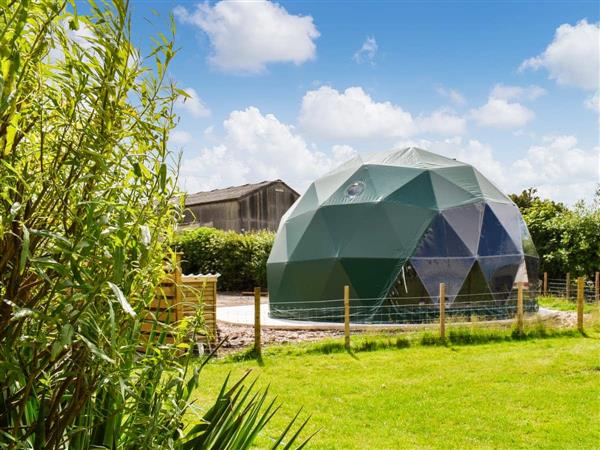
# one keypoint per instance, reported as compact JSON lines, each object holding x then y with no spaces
{"x":241,"y":259}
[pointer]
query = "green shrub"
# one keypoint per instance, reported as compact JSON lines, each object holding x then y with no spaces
{"x":241,"y":259}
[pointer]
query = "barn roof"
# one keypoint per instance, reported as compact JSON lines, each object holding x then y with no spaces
{"x":229,"y":193}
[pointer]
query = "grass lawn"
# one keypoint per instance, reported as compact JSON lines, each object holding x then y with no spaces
{"x":541,"y":393}
{"x":562,"y":304}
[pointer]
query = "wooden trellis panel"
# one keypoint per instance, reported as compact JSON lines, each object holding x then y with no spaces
{"x":178,"y":297}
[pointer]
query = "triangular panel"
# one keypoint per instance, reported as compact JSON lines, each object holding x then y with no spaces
{"x":452,"y":271}
{"x":316,"y":242}
{"x":508,"y":215}
{"x":388,"y":179}
{"x":489,"y":190}
{"x":448,"y":194}
{"x":306,"y":203}
{"x":295,"y":228}
{"x":358,"y":188}
{"x":407,"y":287}
{"x":409,"y":223}
{"x":500,"y":273}
{"x":327,"y":185}
{"x":474,"y":289}
{"x":466,"y":222}
{"x":417,"y":192}
{"x":462,"y":176}
{"x":494,"y":239}
{"x":440,"y":240}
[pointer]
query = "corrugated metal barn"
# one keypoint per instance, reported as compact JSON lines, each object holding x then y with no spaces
{"x":250,"y":207}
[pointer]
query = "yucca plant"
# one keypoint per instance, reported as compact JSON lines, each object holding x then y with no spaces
{"x":86,"y":216}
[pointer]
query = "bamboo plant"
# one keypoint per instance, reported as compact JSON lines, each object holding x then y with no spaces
{"x":86,"y":216}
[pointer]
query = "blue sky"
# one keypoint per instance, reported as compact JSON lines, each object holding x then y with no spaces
{"x":283,"y":90}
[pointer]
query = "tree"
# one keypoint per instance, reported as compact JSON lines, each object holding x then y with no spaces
{"x":566,"y":239}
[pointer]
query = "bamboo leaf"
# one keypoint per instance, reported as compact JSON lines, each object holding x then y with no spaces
{"x":122,"y":300}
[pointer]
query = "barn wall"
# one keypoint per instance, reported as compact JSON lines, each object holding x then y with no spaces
{"x":222,"y":215}
{"x":263,"y":209}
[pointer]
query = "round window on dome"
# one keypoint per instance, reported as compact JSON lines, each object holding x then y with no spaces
{"x":355,"y":189}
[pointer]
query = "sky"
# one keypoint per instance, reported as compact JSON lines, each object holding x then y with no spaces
{"x":292,"y":89}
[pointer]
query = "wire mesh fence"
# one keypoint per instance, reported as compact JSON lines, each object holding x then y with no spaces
{"x":406,"y":310}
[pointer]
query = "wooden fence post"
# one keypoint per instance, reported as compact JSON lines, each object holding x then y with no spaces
{"x":347,"y":317}
{"x":597,"y":283}
{"x":520,"y":326}
{"x":580,"y":297}
{"x":545,"y":284}
{"x":257,"y":340}
{"x":568,"y":286}
{"x":443,"y":311}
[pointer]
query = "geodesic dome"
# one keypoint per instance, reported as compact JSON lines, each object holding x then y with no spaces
{"x":393,"y":227}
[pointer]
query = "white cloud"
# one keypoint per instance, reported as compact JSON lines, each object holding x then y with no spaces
{"x":258,"y":147}
{"x":192,"y":104}
{"x":246,"y":36}
{"x":367,"y":52}
{"x":352,"y":114}
{"x":502,"y":109}
{"x":453,"y":95}
{"x":442,"y":121}
{"x":507,"y":92}
{"x":180,"y":137}
{"x":573,"y":56}
{"x":559,"y":169}
{"x":500,"y":113}
{"x":556,"y":166}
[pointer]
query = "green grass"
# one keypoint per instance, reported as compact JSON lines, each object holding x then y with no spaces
{"x":562,"y":304}
{"x":538,"y":393}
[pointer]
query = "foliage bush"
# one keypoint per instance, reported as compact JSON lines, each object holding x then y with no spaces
{"x":85,"y":222}
{"x":241,"y":259}
{"x":566,"y":238}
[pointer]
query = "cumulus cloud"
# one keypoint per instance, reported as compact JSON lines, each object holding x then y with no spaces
{"x":367,"y":52}
{"x":258,"y":147}
{"x":452,"y":94}
{"x":180,"y":137}
{"x":192,"y":104}
{"x":556,"y":165}
{"x":442,"y":121}
{"x":501,"y":112}
{"x":246,"y":36}
{"x":573,"y":56}
{"x":352,"y":114}
{"x":559,"y":168}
